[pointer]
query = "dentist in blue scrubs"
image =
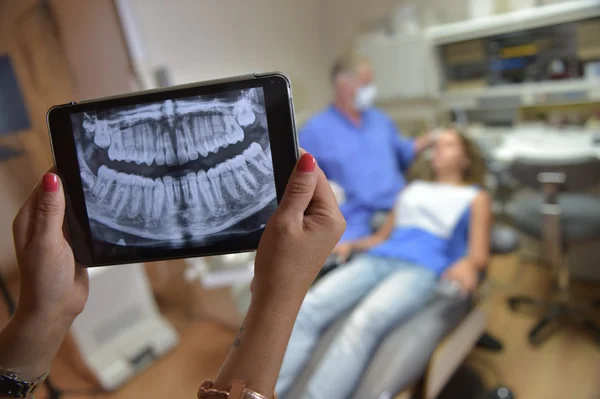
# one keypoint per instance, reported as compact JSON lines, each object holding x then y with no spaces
{"x":359,"y":147}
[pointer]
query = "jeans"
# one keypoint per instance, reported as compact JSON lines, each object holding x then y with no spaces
{"x":385,"y":292}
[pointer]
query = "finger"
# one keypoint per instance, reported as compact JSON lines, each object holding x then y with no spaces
{"x":300,"y":187}
{"x":50,"y":210}
{"x":24,"y":222}
{"x":323,"y":198}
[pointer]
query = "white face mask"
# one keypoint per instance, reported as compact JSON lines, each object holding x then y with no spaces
{"x":365,"y":97}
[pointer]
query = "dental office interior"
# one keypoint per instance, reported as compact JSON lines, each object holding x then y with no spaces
{"x":519,"y":79}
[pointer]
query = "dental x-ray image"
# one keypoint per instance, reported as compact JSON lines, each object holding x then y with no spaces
{"x":177,"y":173}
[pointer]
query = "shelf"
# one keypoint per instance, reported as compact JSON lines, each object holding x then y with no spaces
{"x":528,"y":92}
{"x":515,"y":21}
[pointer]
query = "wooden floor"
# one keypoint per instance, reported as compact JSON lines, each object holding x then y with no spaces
{"x":566,"y":367}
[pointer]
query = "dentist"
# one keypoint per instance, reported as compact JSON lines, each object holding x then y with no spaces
{"x":359,"y":147}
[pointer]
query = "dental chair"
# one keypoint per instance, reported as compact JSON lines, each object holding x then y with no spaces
{"x":423,"y":351}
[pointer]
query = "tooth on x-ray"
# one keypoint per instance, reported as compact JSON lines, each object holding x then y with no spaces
{"x":177,"y":170}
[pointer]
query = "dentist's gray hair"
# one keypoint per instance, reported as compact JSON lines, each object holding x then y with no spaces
{"x":347,"y":63}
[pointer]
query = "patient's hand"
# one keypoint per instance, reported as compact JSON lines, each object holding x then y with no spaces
{"x":465,"y":274}
{"x":343,"y":251}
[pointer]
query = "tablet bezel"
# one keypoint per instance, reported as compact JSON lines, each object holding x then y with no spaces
{"x":90,"y":253}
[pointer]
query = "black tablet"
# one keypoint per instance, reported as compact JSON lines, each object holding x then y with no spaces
{"x":186,"y":171}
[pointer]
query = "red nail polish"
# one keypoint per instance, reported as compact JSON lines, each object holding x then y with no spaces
{"x":50,"y":183}
{"x":307,"y":163}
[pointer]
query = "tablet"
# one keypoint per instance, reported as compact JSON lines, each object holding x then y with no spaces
{"x":186,"y":171}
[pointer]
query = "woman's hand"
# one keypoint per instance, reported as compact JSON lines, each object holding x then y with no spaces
{"x":343,"y":251}
{"x":53,"y":291}
{"x":300,"y":235}
{"x":296,"y":242}
{"x":51,"y":285}
{"x":465,"y":274}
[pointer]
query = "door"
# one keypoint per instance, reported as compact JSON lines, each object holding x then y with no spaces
{"x":60,"y":50}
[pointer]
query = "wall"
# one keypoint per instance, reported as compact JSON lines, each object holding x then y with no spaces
{"x":97,"y":55}
{"x":200,"y":40}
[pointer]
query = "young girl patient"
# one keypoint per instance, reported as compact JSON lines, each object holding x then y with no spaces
{"x":439,"y":229}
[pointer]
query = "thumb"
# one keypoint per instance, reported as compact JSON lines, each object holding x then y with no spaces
{"x":50,"y":210}
{"x":301,"y":186}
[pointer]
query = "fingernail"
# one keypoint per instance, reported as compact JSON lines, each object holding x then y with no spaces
{"x":50,"y":183}
{"x":307,"y":163}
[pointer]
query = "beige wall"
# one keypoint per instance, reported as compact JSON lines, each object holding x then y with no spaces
{"x":347,"y":18}
{"x":199,"y":40}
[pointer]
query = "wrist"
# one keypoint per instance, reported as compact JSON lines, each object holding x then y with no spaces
{"x":284,"y":299}
{"x":29,"y":344}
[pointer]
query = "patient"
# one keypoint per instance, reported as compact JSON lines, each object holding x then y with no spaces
{"x":439,"y":229}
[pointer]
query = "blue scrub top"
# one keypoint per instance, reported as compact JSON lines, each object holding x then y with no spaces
{"x":368,"y":161}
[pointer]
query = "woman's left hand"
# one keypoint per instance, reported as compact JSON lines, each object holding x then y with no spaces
{"x":464,"y":274}
{"x":53,"y":291}
{"x":51,"y":284}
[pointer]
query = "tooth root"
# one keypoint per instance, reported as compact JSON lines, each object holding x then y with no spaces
{"x":122,"y":193}
{"x":243,"y":175}
{"x":212,"y":130}
{"x":129,"y":144}
{"x":228,"y":181}
{"x":173,"y":192}
{"x":182,"y":154}
{"x":186,"y":191}
{"x":170,"y":157}
{"x":177,"y":192}
{"x":265,"y":162}
{"x":205,"y":191}
{"x":137,"y":193}
{"x":160,"y":149}
{"x":192,"y":183}
{"x":158,"y":200}
{"x":256,"y":157}
{"x":116,"y":151}
{"x":140,"y":147}
{"x":106,"y":178}
{"x":215,"y":185}
{"x":199,"y":128}
{"x":168,"y":182}
{"x":149,"y":146}
{"x":189,"y":140}
{"x":148,"y":187}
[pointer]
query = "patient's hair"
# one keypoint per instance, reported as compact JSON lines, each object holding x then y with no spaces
{"x":474,"y":174}
{"x":348,"y":62}
{"x":477,"y":170}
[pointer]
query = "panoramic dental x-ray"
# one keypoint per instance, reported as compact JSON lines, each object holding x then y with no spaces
{"x":178,"y":172}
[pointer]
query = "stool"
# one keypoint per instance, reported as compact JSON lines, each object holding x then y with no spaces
{"x":560,"y":218}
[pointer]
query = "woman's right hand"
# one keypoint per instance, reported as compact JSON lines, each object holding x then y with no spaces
{"x":343,"y":251}
{"x":299,"y":236}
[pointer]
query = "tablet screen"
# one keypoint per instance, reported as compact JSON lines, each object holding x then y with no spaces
{"x":179,"y":172}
